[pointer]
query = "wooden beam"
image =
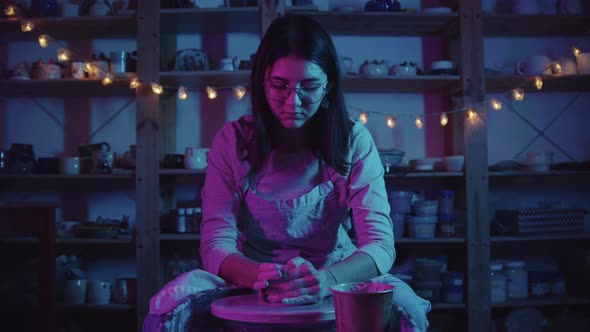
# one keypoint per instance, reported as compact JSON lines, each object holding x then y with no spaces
{"x":476,"y":162}
{"x":269,"y":10}
{"x":147,"y":171}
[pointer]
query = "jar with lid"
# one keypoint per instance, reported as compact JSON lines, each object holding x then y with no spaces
{"x":446,"y":225}
{"x":517,"y":285}
{"x":189,"y":220}
{"x":446,"y":202}
{"x":181,"y":220}
{"x":497,"y":283}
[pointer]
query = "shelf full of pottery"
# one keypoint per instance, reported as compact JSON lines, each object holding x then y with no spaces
{"x":91,"y":160}
{"x":417,"y":216}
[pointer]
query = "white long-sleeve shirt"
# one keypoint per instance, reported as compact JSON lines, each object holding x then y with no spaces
{"x":313,"y":225}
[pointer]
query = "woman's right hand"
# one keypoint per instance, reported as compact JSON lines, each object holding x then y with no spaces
{"x":267,"y":273}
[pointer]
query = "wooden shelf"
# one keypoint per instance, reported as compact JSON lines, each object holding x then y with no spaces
{"x":65,"y":177}
{"x":200,"y":79}
{"x":445,"y":306}
{"x":565,"y":237}
{"x":172,"y":172}
{"x":70,"y":28}
{"x":64,"y":88}
{"x":388,"y":84}
{"x":352,"y":83}
{"x":196,"y":20}
{"x":428,"y":174}
{"x":436,"y":240}
{"x":96,"y":307}
{"x":573,"y":83}
{"x":511,"y":25}
{"x":122,"y":239}
{"x":544,"y":301}
{"x":383,"y":23}
{"x":531,"y":178}
{"x":537,"y":174}
{"x":180,"y":237}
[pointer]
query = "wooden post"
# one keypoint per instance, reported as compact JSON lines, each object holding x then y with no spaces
{"x":147,"y":171}
{"x":269,"y":10}
{"x":476,"y":163}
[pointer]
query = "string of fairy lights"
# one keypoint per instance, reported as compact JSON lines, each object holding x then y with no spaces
{"x":239,"y":90}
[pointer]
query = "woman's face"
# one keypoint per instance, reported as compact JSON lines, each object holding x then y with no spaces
{"x":294,"y":89}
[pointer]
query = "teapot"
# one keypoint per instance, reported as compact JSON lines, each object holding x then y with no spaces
{"x":374,"y":68}
{"x":195,"y":158}
{"x":383,"y":6}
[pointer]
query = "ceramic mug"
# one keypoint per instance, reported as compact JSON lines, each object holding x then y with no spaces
{"x":69,"y":9}
{"x":568,"y":66}
{"x":229,"y":64}
{"x":583,"y":63}
{"x":98,"y":292}
{"x":77,"y":70}
{"x":526,"y":7}
{"x":534,"y":65}
{"x":345,"y":64}
{"x":75,"y":291}
{"x":71,"y":165}
{"x":195,"y":158}
{"x":406,"y":70}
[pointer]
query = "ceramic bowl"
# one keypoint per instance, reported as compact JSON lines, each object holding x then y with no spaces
{"x":426,"y":208}
{"x":454,"y":163}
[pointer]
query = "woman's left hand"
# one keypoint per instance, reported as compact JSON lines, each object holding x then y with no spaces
{"x":302,"y":284}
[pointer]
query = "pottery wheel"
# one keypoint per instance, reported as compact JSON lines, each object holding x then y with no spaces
{"x":249,"y":308}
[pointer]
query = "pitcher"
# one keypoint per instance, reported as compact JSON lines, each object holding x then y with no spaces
{"x":195,"y":158}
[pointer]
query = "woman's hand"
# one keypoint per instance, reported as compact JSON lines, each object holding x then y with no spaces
{"x":267,"y":273}
{"x":301,"y":283}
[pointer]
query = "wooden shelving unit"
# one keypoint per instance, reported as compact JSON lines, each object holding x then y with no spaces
{"x":70,"y":28}
{"x":536,"y":25}
{"x":196,"y":20}
{"x":151,"y":23}
{"x":383,"y":23}
{"x":578,"y":83}
{"x":64,"y":88}
{"x":564,"y":237}
{"x":544,"y":301}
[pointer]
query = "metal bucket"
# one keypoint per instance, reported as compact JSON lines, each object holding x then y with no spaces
{"x":363,"y":306}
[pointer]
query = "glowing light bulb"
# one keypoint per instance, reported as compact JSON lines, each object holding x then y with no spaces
{"x":108,"y":79}
{"x":43,"y":40}
{"x":518,"y":94}
{"x":444,"y":119}
{"x":419,"y":122}
{"x":27,"y":26}
{"x":556,"y":68}
{"x":10,"y":10}
{"x":239,"y":91}
{"x":576,"y":51}
{"x":496,"y":104}
{"x":63,"y":54}
{"x":182,"y":93}
{"x":88,"y":67}
{"x":391,"y":121}
{"x":211,"y":92}
{"x":471,"y":114}
{"x":134,"y":83}
{"x":364,"y":117}
{"x":157,"y":88}
{"x":539,"y":82}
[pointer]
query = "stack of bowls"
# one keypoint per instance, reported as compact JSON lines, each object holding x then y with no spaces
{"x":391,"y":158}
{"x":422,"y":225}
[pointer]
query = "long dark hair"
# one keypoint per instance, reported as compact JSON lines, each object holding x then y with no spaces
{"x":302,"y":36}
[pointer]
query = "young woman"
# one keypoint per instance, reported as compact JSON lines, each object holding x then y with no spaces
{"x":286,"y":185}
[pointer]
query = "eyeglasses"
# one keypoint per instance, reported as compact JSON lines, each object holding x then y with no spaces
{"x":309,"y":93}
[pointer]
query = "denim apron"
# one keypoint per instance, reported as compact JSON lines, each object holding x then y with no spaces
{"x":313,"y":225}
